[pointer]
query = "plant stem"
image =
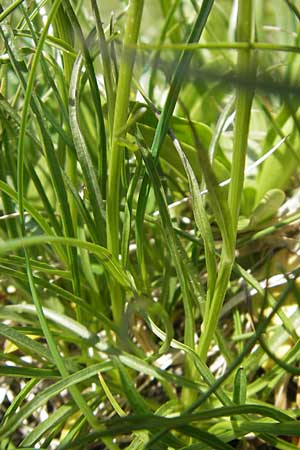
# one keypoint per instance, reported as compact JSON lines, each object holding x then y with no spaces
{"x":116,"y":152}
{"x":4,"y":13}
{"x":243,"y":111}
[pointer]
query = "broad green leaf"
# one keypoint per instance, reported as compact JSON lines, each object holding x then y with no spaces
{"x":267,"y":207}
{"x":276,"y":172}
{"x":147,"y":123}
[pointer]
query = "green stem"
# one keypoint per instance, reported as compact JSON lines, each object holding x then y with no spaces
{"x":217,"y":45}
{"x":243,"y":112}
{"x":120,"y":117}
{"x":4,"y":13}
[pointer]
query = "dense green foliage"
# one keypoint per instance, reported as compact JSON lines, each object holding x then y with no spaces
{"x":149,"y":224}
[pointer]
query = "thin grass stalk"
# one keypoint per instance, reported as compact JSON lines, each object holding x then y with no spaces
{"x":262,"y":46}
{"x":4,"y":13}
{"x":244,"y":98}
{"x":117,"y":154}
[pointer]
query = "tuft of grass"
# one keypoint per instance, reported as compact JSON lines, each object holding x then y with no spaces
{"x":149,"y":225}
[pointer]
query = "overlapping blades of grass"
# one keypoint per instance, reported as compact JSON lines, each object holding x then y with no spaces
{"x":79,"y":400}
{"x":51,"y":230}
{"x":163,"y":124}
{"x":178,"y":256}
{"x":83,"y":155}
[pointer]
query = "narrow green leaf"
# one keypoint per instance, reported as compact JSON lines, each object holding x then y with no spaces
{"x":110,"y":397}
{"x":24,"y":342}
{"x":9,"y":9}
{"x":59,"y":319}
{"x":176,"y":84}
{"x":42,"y":397}
{"x":83,"y":154}
{"x":201,"y":219}
{"x":19,"y":398}
{"x":56,"y":418}
{"x":240,"y":387}
{"x":275,"y":429}
{"x":148,"y":422}
{"x":25,"y":372}
{"x":35,"y":214}
{"x":203,"y":436}
{"x":173,"y":245}
{"x":84,"y":43}
{"x":134,"y":398}
{"x":142,"y":366}
{"x":104,"y":255}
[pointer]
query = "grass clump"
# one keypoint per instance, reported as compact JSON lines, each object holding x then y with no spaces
{"x":149,"y":224}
